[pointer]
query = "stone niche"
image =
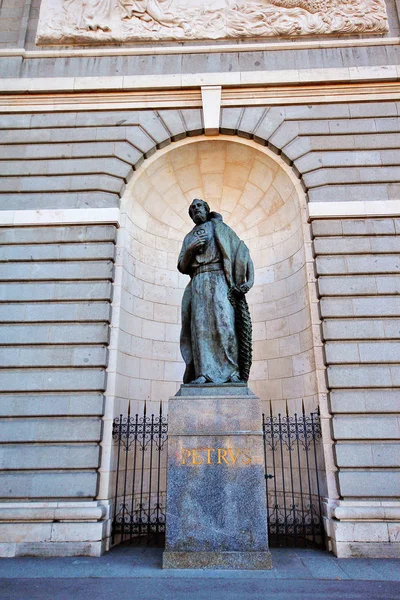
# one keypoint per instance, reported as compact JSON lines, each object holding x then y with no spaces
{"x":117,"y":21}
{"x":259,"y":196}
{"x":264,"y":203}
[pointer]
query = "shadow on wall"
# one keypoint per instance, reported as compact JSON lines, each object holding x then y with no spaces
{"x":257,"y":197}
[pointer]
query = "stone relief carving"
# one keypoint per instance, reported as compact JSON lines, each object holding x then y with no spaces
{"x":116,"y":21}
{"x":89,"y":15}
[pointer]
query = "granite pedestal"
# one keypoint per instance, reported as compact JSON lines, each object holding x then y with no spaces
{"x":216,"y":506}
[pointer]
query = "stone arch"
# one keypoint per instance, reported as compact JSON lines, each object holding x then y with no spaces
{"x":92,"y":156}
{"x":261,"y":197}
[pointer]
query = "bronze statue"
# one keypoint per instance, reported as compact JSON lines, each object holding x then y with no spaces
{"x":216,"y":326}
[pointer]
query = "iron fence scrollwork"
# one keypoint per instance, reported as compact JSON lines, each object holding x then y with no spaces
{"x":139,"y":499}
{"x":293,"y":459}
{"x":291,"y":449}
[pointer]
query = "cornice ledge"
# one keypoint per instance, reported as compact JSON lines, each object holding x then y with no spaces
{"x":204,"y":48}
{"x":60,"y":216}
{"x":347,"y":75}
{"x":353,"y":209}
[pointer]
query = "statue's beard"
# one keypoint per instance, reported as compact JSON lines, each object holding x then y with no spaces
{"x":199,"y":219}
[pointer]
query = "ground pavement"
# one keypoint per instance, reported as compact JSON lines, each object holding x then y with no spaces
{"x":135,"y":573}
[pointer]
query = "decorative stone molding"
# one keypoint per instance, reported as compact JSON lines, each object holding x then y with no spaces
{"x":347,"y":210}
{"x":368,"y":528}
{"x":209,"y":48}
{"x":59,"y":217}
{"x":106,"y":21}
{"x":211,"y":97}
{"x":248,"y":88}
{"x":54,"y":528}
{"x":52,"y":511}
{"x":390,"y":511}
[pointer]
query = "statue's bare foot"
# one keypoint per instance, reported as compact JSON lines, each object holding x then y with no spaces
{"x":200,"y":380}
{"x":234,"y":378}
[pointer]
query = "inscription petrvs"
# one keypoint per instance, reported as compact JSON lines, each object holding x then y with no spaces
{"x":215,"y":456}
{"x":116,"y":21}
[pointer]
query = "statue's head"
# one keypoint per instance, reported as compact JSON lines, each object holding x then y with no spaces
{"x":199,"y":211}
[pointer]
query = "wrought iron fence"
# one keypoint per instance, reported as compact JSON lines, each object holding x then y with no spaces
{"x":139,"y":500}
{"x":291,"y":453}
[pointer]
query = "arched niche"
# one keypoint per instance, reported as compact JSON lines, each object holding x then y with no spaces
{"x":261,"y":198}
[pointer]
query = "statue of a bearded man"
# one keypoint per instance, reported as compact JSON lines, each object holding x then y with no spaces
{"x":216,"y":325}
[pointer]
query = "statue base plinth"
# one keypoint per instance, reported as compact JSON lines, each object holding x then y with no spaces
{"x":217,"y":560}
{"x":216,"y":504}
{"x":214,"y":389}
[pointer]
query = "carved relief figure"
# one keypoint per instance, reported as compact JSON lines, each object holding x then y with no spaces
{"x":216,"y":326}
{"x":152,"y":12}
{"x":93,"y":15}
{"x":311,"y":6}
{"x":116,"y":21}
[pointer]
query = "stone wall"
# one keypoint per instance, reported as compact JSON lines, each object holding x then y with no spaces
{"x":277,"y":60}
{"x":358,"y":267}
{"x":340,"y":152}
{"x":80,"y":160}
{"x":11,"y":15}
{"x":56,"y":286}
{"x":87,"y":157}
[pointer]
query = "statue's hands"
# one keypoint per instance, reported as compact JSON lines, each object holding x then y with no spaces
{"x":244,"y":288}
{"x":199,"y":244}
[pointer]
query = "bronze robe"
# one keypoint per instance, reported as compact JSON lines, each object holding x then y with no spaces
{"x":209,"y":340}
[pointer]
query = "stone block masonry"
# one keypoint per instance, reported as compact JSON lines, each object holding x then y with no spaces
{"x":79,"y":160}
{"x":57,"y":285}
{"x":12,"y":13}
{"x":67,"y":160}
{"x":357,"y":266}
{"x":55,"y":309}
{"x":56,"y":282}
{"x":79,"y":125}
